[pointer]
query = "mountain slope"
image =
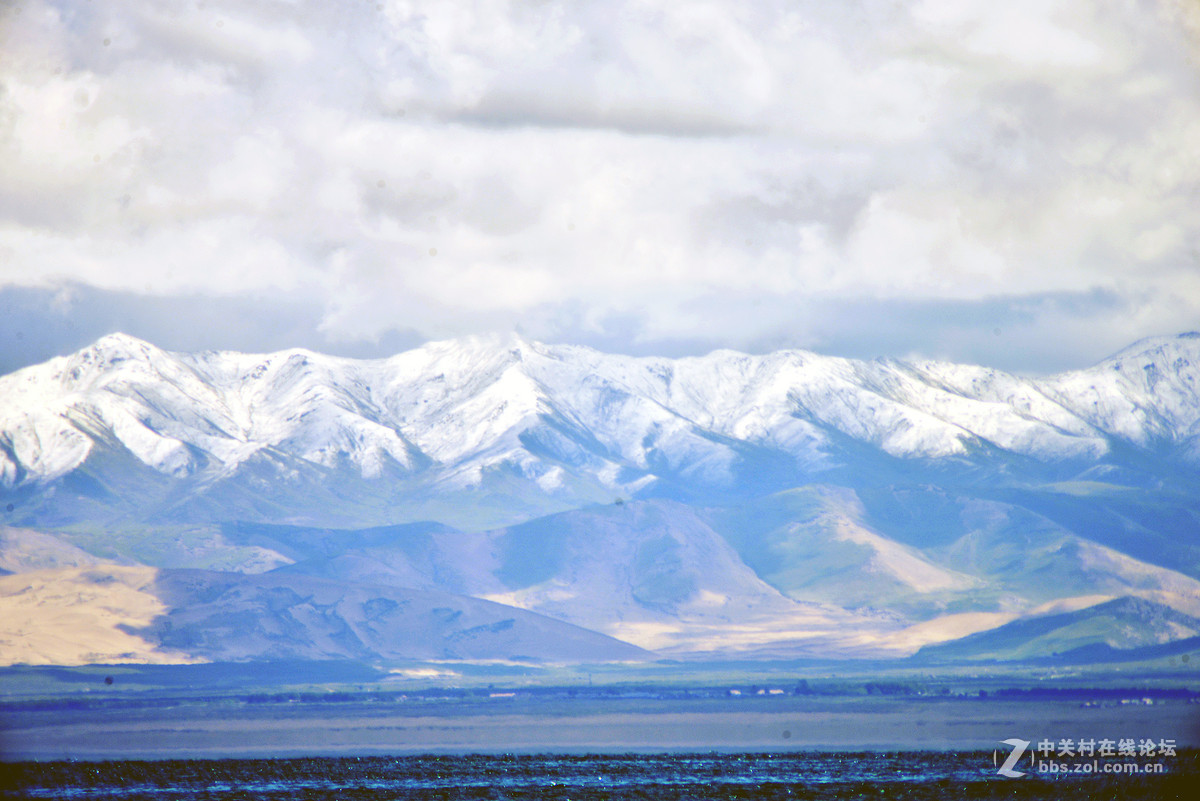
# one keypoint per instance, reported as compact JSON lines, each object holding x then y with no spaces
{"x":114,"y":614}
{"x":781,"y":504}
{"x":510,"y":429}
{"x":646,"y":572}
{"x":1123,"y":624}
{"x":814,"y":544}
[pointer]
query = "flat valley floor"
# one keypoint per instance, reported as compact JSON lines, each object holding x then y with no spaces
{"x":226,"y":728}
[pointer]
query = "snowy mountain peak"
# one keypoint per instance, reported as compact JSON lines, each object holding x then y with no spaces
{"x":772,"y":504}
{"x":1186,"y":343}
{"x":106,"y":355}
{"x":1146,"y":394}
{"x":548,"y":427}
{"x":118,"y":340}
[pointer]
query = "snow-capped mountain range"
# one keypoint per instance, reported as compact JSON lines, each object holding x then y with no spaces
{"x":546,"y":428}
{"x":780,"y":503}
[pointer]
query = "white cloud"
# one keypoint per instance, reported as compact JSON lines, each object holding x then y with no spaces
{"x":576,"y":164}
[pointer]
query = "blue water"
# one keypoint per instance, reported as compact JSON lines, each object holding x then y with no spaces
{"x":582,"y":777}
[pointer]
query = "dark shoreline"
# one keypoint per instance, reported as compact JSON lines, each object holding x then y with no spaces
{"x":654,"y":777}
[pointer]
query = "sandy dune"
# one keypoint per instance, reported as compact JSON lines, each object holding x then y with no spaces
{"x":77,"y":616}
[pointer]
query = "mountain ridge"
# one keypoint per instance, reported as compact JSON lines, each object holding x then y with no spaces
{"x":729,"y":504}
{"x":571,"y":421}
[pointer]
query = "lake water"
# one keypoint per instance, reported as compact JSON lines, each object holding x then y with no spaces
{"x":807,"y":775}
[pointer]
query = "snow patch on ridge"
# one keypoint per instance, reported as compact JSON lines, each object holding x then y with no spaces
{"x":453,"y":411}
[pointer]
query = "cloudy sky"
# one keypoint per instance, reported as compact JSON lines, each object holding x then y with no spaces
{"x":1011,"y":183}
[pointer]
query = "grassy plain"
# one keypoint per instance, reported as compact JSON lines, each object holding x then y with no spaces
{"x":341,"y":708}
